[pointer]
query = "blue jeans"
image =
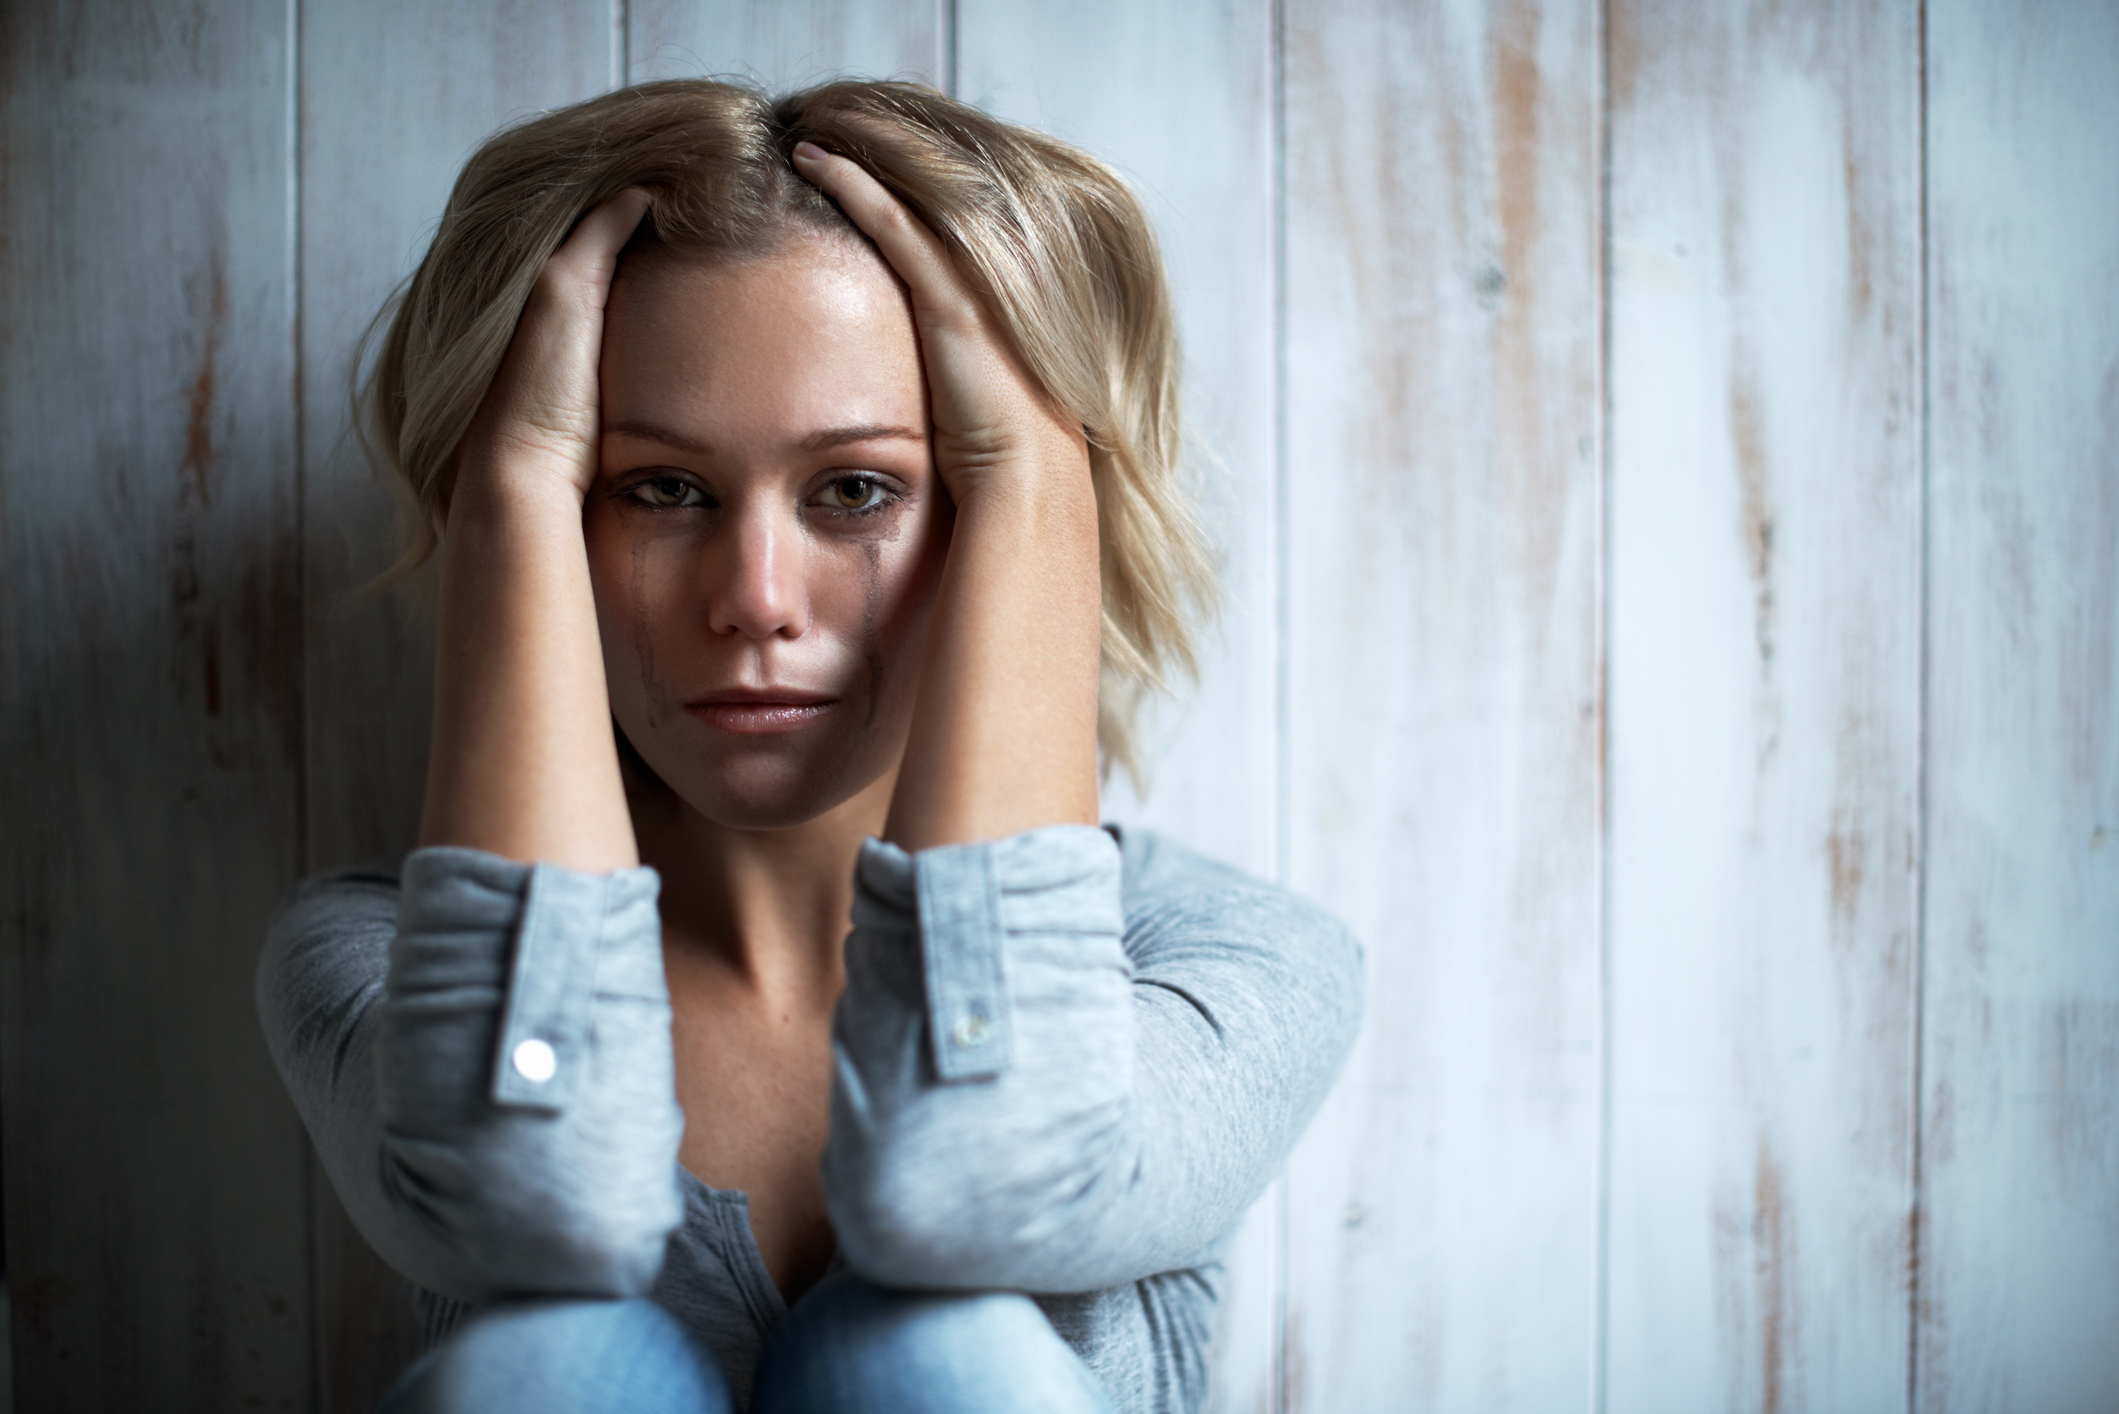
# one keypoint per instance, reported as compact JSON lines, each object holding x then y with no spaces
{"x":845,"y":1348}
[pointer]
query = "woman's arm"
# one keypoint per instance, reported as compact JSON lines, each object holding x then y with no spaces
{"x":1005,"y":736}
{"x":524,"y":764}
{"x":482,"y":1056}
{"x":1134,"y":1080}
{"x":393,"y":1011}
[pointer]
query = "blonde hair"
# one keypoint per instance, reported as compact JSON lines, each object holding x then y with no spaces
{"x":1050,"y":237}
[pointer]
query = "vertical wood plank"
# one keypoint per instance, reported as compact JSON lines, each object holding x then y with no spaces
{"x":1764,"y":681}
{"x":2019,"y":1272}
{"x":395,"y":96}
{"x":1178,"y":97}
{"x":1443,"y":692}
{"x":150,"y":670}
{"x":785,"y":44}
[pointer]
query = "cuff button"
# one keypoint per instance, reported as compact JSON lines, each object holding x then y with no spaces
{"x":534,"y":1061}
{"x":971,"y":1030}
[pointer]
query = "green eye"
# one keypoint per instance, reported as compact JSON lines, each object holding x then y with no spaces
{"x":853,"y":493}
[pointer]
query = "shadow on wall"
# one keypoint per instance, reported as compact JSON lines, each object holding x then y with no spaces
{"x":179,"y":656}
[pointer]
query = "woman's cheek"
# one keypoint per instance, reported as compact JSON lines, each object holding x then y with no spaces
{"x":620,"y":572}
{"x":908,"y":574}
{"x":902,"y":577}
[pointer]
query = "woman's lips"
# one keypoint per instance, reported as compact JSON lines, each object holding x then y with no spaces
{"x":762,"y":711}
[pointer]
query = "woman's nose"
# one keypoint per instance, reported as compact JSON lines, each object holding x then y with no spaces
{"x":760,"y":586}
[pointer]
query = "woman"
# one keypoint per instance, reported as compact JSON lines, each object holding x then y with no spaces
{"x":824,"y":447}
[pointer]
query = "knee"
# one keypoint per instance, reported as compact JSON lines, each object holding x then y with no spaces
{"x":853,"y":1346}
{"x":585,"y":1356}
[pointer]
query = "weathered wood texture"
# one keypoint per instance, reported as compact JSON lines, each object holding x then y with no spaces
{"x":1179,"y":98}
{"x":2019,"y":1251}
{"x":151,"y":631}
{"x":783,"y":45}
{"x":393,"y":97}
{"x":1442,"y":678}
{"x":1751,"y":1043}
{"x":1764,"y":687}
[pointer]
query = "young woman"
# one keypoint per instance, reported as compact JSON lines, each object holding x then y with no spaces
{"x":825,"y":448}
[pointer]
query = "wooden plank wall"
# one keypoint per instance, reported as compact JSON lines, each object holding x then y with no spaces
{"x":1664,"y":459}
{"x":1764,"y":611}
{"x":2019,"y":1165}
{"x":152,"y":678}
{"x":1442,"y":524}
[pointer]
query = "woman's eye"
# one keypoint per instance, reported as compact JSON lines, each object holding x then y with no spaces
{"x":853,"y":493}
{"x":667,"y":493}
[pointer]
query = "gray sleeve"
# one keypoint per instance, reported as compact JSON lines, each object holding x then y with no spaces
{"x":1034,"y":1092}
{"x":482,"y":1059}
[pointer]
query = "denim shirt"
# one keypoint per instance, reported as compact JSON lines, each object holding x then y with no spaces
{"x":1064,"y":1063}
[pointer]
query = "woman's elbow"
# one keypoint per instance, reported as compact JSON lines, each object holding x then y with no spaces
{"x":937,"y":1217}
{"x":899,"y":1221}
{"x":591,"y":1249}
{"x":914,"y":1245}
{"x":516,"y":1233}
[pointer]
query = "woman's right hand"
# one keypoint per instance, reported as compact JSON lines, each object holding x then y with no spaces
{"x":524,"y":764}
{"x":538,"y":419}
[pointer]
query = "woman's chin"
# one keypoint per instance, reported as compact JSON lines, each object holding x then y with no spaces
{"x":775,"y":783}
{"x":769,"y":796}
{"x":744,"y":810}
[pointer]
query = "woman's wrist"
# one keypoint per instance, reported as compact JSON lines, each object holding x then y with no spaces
{"x":1005,"y":739}
{"x":523,"y":764}
{"x":507,"y":482}
{"x":1049,"y":480}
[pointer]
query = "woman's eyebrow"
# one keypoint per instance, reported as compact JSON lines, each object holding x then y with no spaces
{"x":822,"y":440}
{"x":830,"y":437}
{"x":656,"y":432}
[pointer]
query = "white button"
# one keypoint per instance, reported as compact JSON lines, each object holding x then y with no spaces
{"x":535,"y":1062}
{"x":971,"y":1030}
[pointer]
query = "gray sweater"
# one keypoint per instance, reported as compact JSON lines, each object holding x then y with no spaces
{"x":1061,"y":1067}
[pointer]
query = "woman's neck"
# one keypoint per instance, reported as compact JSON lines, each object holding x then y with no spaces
{"x":770,"y":907}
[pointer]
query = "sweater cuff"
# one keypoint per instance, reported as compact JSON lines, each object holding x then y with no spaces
{"x":552,"y":937}
{"x":962,"y":901}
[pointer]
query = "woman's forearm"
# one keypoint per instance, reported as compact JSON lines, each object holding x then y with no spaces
{"x":524,"y":763}
{"x":1004,"y":739}
{"x":1131,"y":1091}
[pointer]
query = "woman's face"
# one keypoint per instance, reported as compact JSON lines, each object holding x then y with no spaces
{"x":767,"y":533}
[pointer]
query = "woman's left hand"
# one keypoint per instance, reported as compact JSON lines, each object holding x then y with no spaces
{"x":990,"y":417}
{"x":1004,"y":739}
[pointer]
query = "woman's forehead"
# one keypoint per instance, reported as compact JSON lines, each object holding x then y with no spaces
{"x":794,"y":242}
{"x":815,"y":332}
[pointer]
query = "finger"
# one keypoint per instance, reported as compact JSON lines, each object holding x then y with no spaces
{"x":543,"y":398}
{"x":589,"y":256}
{"x":914,"y":252}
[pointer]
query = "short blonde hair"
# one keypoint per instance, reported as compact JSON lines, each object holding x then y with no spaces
{"x":1050,"y":237}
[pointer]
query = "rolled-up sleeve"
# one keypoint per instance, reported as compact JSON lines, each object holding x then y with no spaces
{"x":1035,"y":1091}
{"x":482,"y":1058}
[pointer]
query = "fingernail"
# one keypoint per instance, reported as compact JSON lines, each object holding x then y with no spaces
{"x":809,"y":152}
